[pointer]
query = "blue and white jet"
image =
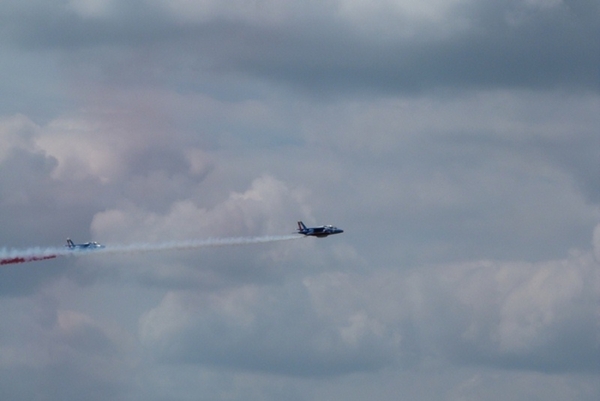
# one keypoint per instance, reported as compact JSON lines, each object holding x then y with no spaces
{"x":319,"y":232}
{"x":86,"y":246}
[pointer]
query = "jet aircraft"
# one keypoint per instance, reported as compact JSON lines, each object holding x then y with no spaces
{"x":85,"y":246}
{"x":319,"y":232}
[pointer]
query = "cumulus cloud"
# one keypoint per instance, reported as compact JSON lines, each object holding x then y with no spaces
{"x":268,"y":207}
{"x":81,"y":150}
{"x":232,"y":329}
{"x":540,"y":317}
{"x":30,"y":192}
{"x":16,"y":132}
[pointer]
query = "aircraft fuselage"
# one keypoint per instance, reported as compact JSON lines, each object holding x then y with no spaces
{"x":86,"y":246}
{"x":319,"y":232}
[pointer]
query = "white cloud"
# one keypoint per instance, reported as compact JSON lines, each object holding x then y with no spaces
{"x":538,"y":316}
{"x":391,"y":17}
{"x":255,"y":12}
{"x":234,"y":329}
{"x":401,"y":18}
{"x":540,"y":304}
{"x":532,"y":316}
{"x":82,"y":149}
{"x":17,"y":131}
{"x":92,"y":8}
{"x":267,"y":207}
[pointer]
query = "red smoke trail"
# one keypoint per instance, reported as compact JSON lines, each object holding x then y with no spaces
{"x":21,"y":259}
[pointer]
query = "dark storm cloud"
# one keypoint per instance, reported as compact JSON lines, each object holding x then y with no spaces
{"x":498,"y":44}
{"x":541,"y":48}
{"x":57,"y":24}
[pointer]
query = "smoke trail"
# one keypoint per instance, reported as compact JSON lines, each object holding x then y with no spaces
{"x":193,"y":244}
{"x":34,"y":254}
{"x":23,"y":259}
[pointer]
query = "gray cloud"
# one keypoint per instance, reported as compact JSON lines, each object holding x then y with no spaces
{"x":49,"y":353}
{"x":508,"y":316}
{"x":242,"y":336}
{"x":454,"y":141}
{"x":496,"y":44}
{"x":522,"y":316}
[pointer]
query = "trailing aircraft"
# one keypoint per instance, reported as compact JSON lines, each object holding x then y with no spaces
{"x":85,"y":246}
{"x":320,"y":232}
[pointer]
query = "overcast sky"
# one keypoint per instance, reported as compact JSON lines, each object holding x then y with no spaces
{"x":457,"y":143}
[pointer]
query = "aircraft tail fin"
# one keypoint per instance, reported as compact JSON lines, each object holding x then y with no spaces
{"x":70,"y":243}
{"x":301,"y":226}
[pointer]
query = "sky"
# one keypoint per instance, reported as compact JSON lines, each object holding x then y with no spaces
{"x":456,"y":142}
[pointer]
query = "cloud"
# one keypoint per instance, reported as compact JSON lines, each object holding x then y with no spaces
{"x":44,"y":347}
{"x":342,"y":47}
{"x":233,"y":329}
{"x":263,"y":209}
{"x":538,"y":317}
{"x":454,"y":141}
{"x":92,"y":9}
{"x":268,"y":207}
{"x":29,"y":194}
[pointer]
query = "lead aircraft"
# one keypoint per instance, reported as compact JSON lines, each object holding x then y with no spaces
{"x":85,"y":246}
{"x":319,"y":232}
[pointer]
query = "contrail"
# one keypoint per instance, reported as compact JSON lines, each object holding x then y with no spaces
{"x":34,"y":254}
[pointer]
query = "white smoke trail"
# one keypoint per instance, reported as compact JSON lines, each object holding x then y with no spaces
{"x":193,"y":244}
{"x":10,"y":256}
